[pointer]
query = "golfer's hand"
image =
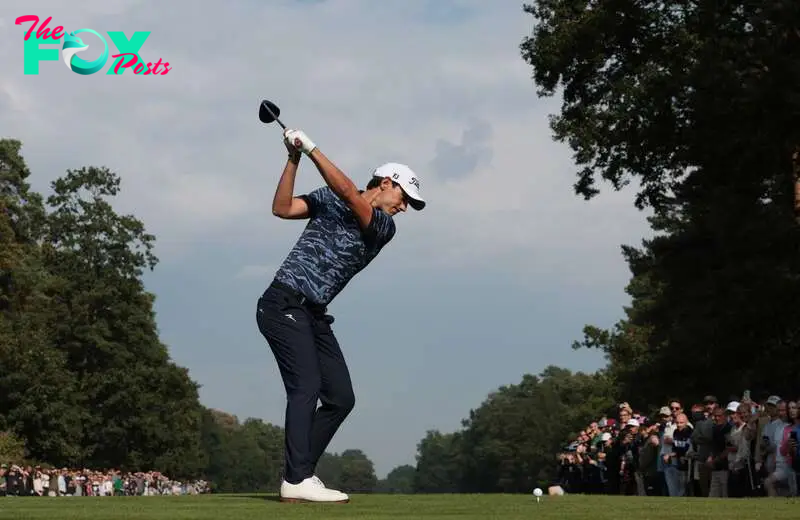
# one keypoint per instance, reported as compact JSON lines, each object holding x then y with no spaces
{"x":294,"y":153}
{"x":300,"y":140}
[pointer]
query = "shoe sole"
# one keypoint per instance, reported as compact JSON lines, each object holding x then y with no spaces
{"x":304,"y":501}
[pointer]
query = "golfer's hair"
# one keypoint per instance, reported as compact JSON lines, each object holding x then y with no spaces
{"x":376,"y":181}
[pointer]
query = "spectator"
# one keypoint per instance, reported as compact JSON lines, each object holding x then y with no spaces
{"x":789,"y":444}
{"x":37,"y":483}
{"x":743,"y":449}
{"x":740,"y":478}
{"x":660,"y":429}
{"x":717,"y":461}
{"x":676,"y":460}
{"x":778,"y":470}
{"x":54,"y":482}
{"x":614,"y":458}
{"x":629,"y":460}
{"x":648,"y":462}
{"x":794,"y":446}
{"x":569,"y":477}
{"x":697,"y":415}
{"x":702,"y":439}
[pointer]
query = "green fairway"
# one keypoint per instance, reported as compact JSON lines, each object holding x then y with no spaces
{"x":507,"y":507}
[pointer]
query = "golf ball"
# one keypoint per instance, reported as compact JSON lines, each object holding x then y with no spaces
{"x":537,"y":492}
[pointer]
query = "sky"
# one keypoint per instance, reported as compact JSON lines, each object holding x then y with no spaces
{"x":494,"y":279}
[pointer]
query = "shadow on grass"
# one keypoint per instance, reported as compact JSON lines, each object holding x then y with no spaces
{"x":267,"y":498}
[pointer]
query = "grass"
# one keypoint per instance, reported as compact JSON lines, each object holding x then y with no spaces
{"x":376,"y":507}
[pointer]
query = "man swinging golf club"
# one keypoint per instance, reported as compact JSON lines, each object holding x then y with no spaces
{"x":347,"y":229}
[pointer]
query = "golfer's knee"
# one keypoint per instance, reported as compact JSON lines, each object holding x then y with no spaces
{"x":345,"y":401}
{"x":305,"y":390}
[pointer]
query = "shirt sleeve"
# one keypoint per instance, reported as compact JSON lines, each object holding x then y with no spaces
{"x":381,"y":228}
{"x":316,"y":200}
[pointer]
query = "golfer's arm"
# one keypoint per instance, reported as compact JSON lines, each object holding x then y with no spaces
{"x":343,"y":187}
{"x":284,"y":203}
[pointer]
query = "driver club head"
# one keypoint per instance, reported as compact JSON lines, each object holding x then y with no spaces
{"x":269,"y":112}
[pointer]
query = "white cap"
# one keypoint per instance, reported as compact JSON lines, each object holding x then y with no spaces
{"x":406,"y":178}
{"x":632,"y":422}
{"x":733,"y":406}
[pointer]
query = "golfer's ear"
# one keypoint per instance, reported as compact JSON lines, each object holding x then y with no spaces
{"x":386,"y":183}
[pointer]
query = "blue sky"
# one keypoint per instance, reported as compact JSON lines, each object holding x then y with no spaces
{"x":494,"y":279}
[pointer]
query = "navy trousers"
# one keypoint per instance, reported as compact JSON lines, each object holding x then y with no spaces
{"x":312,"y":367}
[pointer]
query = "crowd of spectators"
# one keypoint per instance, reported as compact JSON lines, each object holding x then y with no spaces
{"x":24,"y":481}
{"x":740,"y":448}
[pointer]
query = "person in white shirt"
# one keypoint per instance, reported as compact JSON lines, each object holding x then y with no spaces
{"x":37,"y":484}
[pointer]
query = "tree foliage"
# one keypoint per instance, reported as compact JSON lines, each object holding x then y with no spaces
{"x":37,"y":393}
{"x":697,"y":102}
{"x":400,"y":480}
{"x":659,"y":89}
{"x":508,"y":443}
{"x":351,"y":471}
{"x":11,"y":447}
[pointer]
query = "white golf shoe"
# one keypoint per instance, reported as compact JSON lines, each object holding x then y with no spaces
{"x":311,"y":490}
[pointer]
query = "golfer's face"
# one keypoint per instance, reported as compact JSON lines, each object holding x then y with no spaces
{"x":393,"y":200}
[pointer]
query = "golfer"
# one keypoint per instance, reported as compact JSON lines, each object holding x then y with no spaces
{"x":347,"y":229}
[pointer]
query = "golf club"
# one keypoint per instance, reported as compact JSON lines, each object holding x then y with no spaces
{"x":269,"y":112}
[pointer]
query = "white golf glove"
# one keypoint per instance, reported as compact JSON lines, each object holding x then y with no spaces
{"x":299,"y":140}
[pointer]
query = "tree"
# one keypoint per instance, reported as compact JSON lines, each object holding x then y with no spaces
{"x":11,"y":447}
{"x":711,"y":312}
{"x":659,"y":89}
{"x":138,"y":409}
{"x":439,"y":463}
{"x":36,"y":390}
{"x":351,"y":471}
{"x":509,"y":442}
{"x":695,"y":102}
{"x":358,"y":472}
{"x":242,"y":457}
{"x":399,"y":480}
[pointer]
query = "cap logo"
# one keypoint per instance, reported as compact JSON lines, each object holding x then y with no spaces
{"x":413,"y":180}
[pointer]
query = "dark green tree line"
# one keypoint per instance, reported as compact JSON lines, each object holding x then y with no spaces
{"x":508,"y":444}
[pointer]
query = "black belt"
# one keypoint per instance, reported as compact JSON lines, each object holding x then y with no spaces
{"x":300,"y":298}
